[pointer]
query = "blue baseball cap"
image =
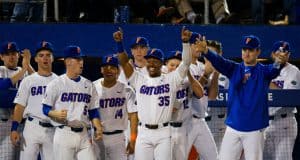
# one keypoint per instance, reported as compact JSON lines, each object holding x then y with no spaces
{"x":8,"y":47}
{"x":73,"y":51}
{"x":194,"y":37}
{"x":250,"y":42}
{"x":44,"y":45}
{"x":110,"y":60}
{"x":173,"y":55}
{"x":140,"y":41}
{"x":281,"y":46}
{"x":155,"y":53}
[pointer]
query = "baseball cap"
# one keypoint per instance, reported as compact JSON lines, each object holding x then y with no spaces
{"x":140,"y":41}
{"x":155,"y":53}
{"x":44,"y":45}
{"x":8,"y":47}
{"x":282,"y":46}
{"x":194,"y":37}
{"x":73,"y":51}
{"x":173,"y":54}
{"x":250,"y":42}
{"x":110,"y":60}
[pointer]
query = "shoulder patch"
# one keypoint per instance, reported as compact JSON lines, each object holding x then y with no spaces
{"x":294,"y":82}
{"x":222,"y":78}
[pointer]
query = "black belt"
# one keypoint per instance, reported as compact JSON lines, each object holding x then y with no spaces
{"x":282,"y":116}
{"x":208,"y":118}
{"x":4,"y":120}
{"x":221,"y":115}
{"x":72,"y":129}
{"x":194,"y":116}
{"x":43,"y":124}
{"x":113,"y":132}
{"x":176,"y":124}
{"x":154,"y":126}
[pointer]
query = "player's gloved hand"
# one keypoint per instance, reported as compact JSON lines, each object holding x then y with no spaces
{"x":15,"y":138}
{"x":185,"y":35}
{"x":98,"y":133}
{"x":130,"y":147}
{"x":118,"y":35}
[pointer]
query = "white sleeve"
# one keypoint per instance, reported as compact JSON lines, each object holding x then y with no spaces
{"x":186,"y":60}
{"x":131,"y":100}
{"x":23,"y":93}
{"x":94,"y":99}
{"x":51,"y":94}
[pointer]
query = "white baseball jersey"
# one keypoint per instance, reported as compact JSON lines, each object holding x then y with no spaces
{"x":155,"y":96}
{"x":75,"y":96}
{"x":289,"y":78}
{"x":122,"y":77}
{"x":113,"y":105}
{"x":183,"y":102}
{"x":199,"y":106}
{"x":31,"y":93}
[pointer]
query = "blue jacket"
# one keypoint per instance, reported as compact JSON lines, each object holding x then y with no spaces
{"x":247,"y":106}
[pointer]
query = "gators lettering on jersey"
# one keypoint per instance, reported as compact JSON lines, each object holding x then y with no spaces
{"x":112,"y":102}
{"x":155,"y":96}
{"x":31,"y":93}
{"x":115,"y":105}
{"x":75,"y":96}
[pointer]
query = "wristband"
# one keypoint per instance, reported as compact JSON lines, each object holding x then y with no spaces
{"x":133,"y":137}
{"x":14,"y":126}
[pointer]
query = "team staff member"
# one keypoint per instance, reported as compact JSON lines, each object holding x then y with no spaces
{"x":116,"y":105}
{"x":38,"y":131}
{"x":282,"y":132}
{"x":12,"y":75}
{"x":70,"y":100}
{"x":155,"y":94}
{"x":247,"y":99}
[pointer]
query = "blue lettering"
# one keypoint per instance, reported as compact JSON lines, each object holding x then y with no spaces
{"x":112,"y":102}
{"x":76,"y":97}
{"x":38,"y":90}
{"x":150,"y":90}
{"x":33,"y":90}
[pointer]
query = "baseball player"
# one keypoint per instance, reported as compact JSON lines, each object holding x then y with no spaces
{"x":200,"y":135}
{"x":182,"y":114}
{"x":38,"y":131}
{"x":70,"y":101}
{"x":155,"y":94}
{"x":280,"y":136}
{"x":247,"y":99}
{"x":10,"y":56}
{"x":215,"y":119}
{"x":139,"y":49}
{"x":116,"y":105}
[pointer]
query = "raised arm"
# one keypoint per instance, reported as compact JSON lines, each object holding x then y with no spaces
{"x":186,"y":53}
{"x":122,"y":55}
{"x":222,"y":65}
{"x":195,"y":85}
{"x":27,"y":56}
